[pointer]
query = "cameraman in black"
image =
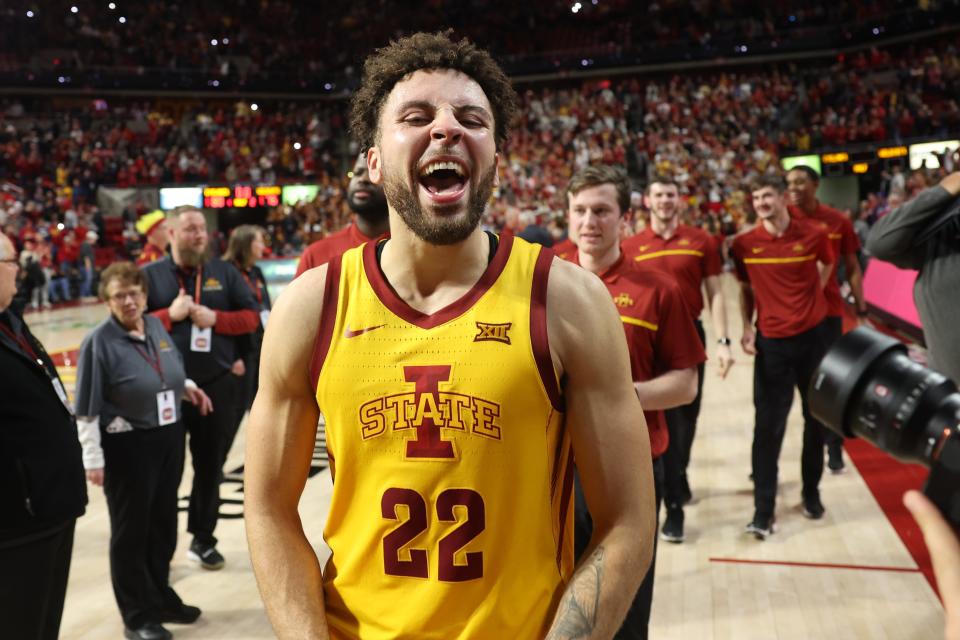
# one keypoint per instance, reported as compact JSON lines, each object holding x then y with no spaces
{"x":898,"y":238}
{"x":922,"y":235}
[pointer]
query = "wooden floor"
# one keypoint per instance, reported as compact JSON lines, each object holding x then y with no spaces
{"x":846,"y":576}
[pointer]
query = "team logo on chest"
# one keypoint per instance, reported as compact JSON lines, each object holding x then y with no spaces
{"x":683,"y":242}
{"x":798,"y":248}
{"x":427,"y":410}
{"x":623,"y":300}
{"x":487,"y":332}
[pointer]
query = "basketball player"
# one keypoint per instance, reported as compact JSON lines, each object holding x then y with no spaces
{"x":663,"y":343}
{"x":802,"y":184}
{"x":451,"y":418}
{"x":366,"y":200}
{"x":783,"y":265}
{"x":692,"y":259}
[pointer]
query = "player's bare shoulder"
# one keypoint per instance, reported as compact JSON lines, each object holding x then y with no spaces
{"x":579,"y":309}
{"x":569,"y":284}
{"x":294,"y":320}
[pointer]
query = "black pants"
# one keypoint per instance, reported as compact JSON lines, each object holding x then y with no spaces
{"x":782,"y":364}
{"x":833,"y":330}
{"x":142,"y":470}
{"x":248,"y":385}
{"x":682,"y":427}
{"x":209,"y":436}
{"x":33,"y":584}
{"x":636,"y":623}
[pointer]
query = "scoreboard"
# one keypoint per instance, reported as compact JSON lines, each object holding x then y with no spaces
{"x":241,"y":196}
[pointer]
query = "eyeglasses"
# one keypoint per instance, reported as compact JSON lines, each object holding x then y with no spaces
{"x":123,"y":295}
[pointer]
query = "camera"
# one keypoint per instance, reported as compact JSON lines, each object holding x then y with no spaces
{"x":866,"y":386}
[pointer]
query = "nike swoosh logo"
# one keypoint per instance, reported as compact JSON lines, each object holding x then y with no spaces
{"x":353,"y":333}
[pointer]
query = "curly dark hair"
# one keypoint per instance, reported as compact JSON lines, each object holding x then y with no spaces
{"x":391,"y":64}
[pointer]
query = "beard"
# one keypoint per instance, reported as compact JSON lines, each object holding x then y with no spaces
{"x":373,"y":208}
{"x":442,"y":230}
{"x":190,"y":257}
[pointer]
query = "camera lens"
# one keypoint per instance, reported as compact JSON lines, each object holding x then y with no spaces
{"x":867,"y":386}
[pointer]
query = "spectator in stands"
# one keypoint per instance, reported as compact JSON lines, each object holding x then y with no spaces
{"x":86,"y":262}
{"x":154,"y":228}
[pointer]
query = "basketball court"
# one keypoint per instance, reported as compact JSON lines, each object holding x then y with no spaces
{"x":859,"y":573}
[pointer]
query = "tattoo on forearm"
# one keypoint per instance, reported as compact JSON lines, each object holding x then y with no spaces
{"x":577,"y":614}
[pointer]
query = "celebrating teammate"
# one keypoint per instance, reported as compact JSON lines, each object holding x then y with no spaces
{"x":367,"y":201}
{"x":802,"y":183}
{"x":452,"y":420}
{"x":662,"y":341}
{"x":691,"y":258}
{"x":783,"y":265}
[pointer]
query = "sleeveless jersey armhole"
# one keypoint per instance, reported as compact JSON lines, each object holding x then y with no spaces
{"x":538,"y":329}
{"x":328,"y":318}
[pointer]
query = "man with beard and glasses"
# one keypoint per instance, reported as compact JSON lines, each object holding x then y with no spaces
{"x":367,"y":201}
{"x":206,"y":306}
{"x":452,"y":420}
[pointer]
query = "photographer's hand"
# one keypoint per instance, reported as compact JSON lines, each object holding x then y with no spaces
{"x":944,"y":549}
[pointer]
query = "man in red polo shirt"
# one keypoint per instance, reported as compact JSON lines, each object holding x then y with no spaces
{"x":783,"y":265}
{"x":368,"y":202}
{"x":802,"y":184}
{"x":664,"y":348}
{"x":691,"y":258}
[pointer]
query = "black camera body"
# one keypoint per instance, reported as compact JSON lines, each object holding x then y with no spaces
{"x":867,"y":386}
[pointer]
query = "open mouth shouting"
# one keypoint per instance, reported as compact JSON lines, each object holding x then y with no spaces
{"x":444,"y":180}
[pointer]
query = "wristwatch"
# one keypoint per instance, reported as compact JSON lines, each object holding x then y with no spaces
{"x":862,"y":313}
{"x":724,"y":341}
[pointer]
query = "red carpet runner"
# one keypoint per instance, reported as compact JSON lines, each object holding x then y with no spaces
{"x":888,"y":479}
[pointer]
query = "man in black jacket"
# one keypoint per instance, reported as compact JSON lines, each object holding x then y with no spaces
{"x":42,"y":485}
{"x":206,"y":306}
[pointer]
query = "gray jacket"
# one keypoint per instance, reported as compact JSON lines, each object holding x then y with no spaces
{"x":937,"y":290}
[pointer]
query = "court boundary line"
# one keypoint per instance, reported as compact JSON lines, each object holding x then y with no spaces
{"x":817,"y":565}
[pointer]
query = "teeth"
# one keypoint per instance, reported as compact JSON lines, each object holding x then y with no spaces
{"x":437,"y":166}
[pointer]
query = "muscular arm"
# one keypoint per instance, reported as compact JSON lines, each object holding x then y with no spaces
{"x":672,"y":389}
{"x":280,"y":439}
{"x":612,"y":450}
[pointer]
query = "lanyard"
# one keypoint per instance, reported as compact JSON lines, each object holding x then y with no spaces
{"x":23,"y":342}
{"x":155,"y":363}
{"x":196,"y":289}
{"x":253,"y":287}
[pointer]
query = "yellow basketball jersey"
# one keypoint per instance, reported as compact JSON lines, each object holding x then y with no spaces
{"x":451,"y":514}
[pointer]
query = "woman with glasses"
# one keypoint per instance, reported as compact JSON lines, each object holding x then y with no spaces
{"x":130,"y":382}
